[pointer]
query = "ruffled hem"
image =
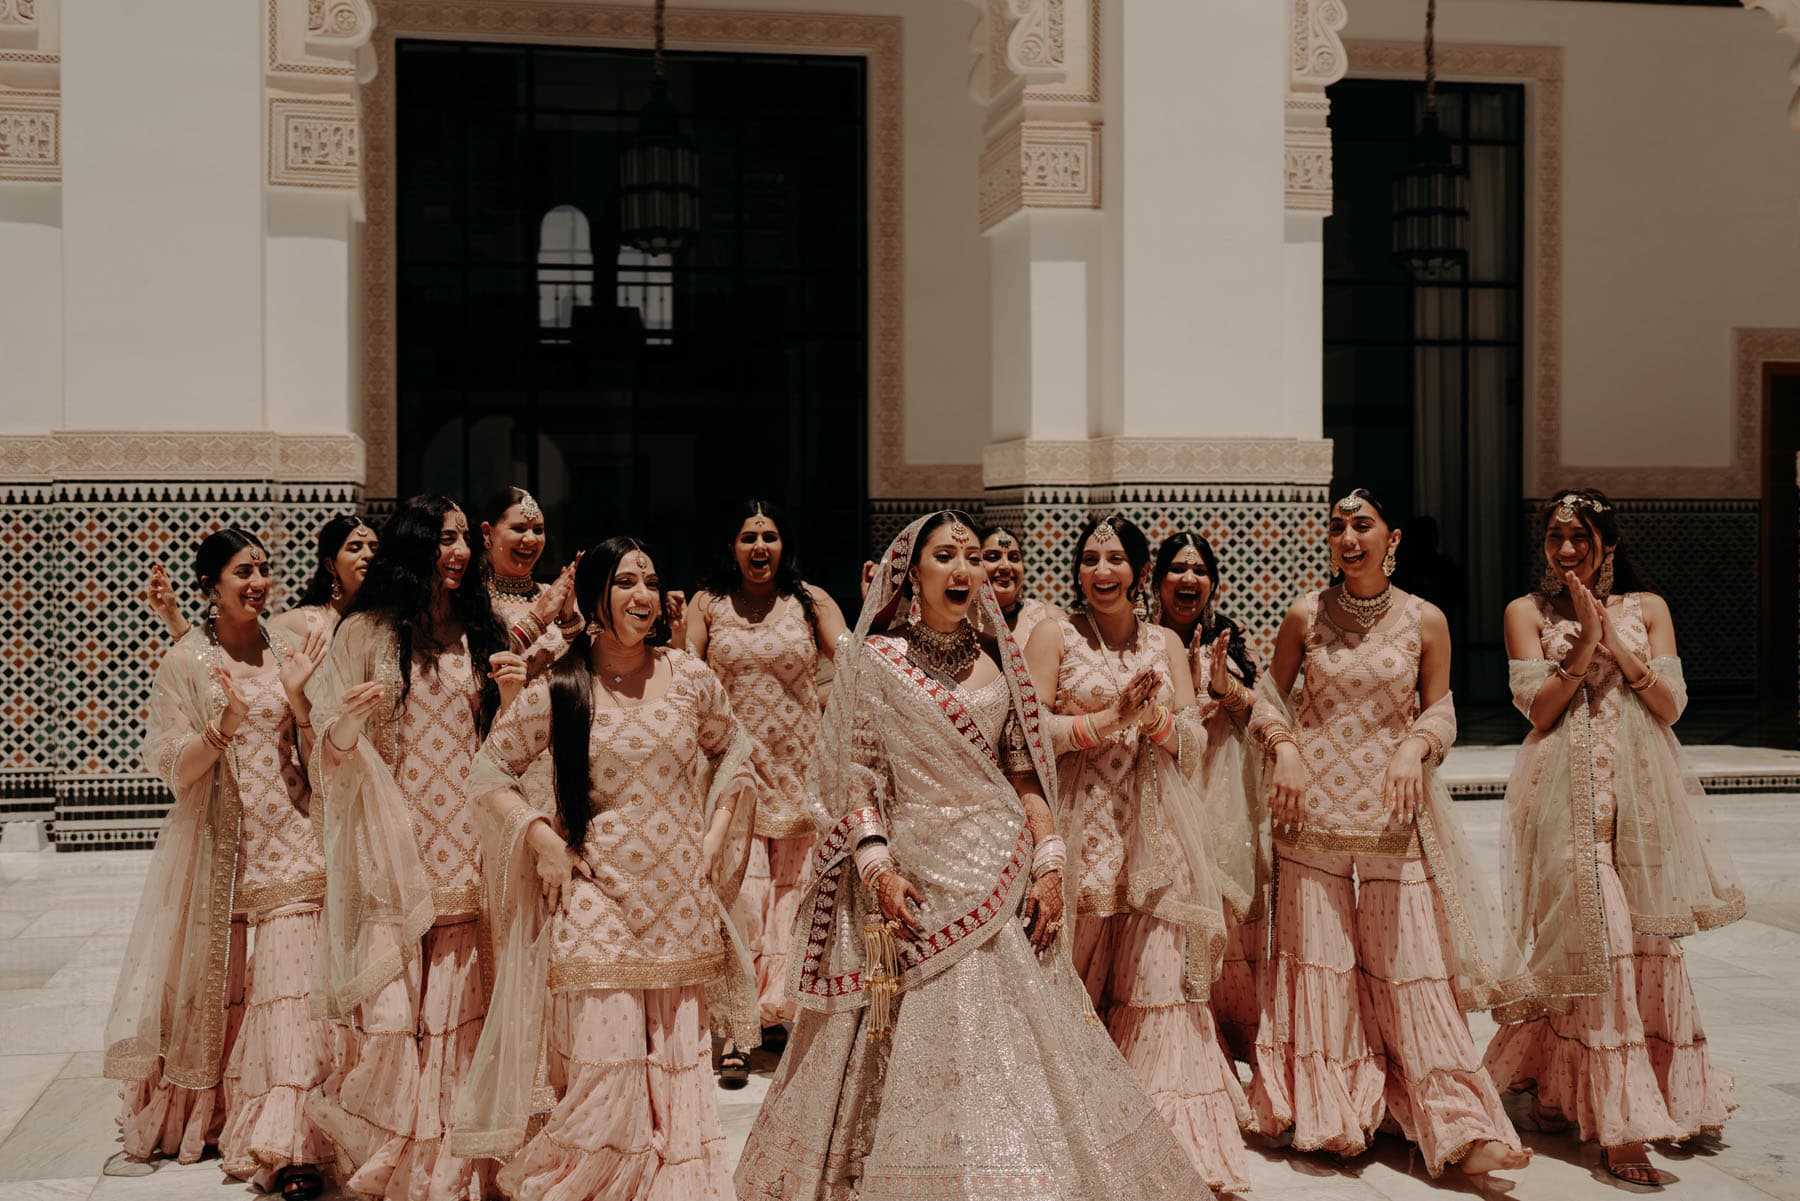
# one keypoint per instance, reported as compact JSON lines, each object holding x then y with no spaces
{"x":165,"y":1119}
{"x":1448,"y":1111}
{"x":544,"y":1171}
{"x":266,"y":1133}
{"x":1330,"y":1104}
{"x":1176,"y":1054}
{"x":1610,"y":1093}
{"x":1700,"y":1097}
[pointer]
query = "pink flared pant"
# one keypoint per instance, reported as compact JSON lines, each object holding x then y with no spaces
{"x":1629,"y":1064}
{"x":1359,"y":1019}
{"x":388,"y":1114}
{"x":1235,"y":1004}
{"x":1132,"y":966}
{"x":636,"y":1115}
{"x":764,"y":912}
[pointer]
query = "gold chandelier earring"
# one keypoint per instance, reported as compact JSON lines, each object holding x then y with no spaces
{"x":1552,"y":583}
{"x":1387,"y":563}
{"x":1603,"y":582}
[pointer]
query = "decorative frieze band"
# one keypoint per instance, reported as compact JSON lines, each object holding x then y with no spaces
{"x":1157,"y":461}
{"x":18,"y":13}
{"x":182,"y":456}
{"x":1787,"y":20}
{"x":1040,"y":164}
{"x":314,"y":143}
{"x":30,"y":135}
{"x":1316,"y":60}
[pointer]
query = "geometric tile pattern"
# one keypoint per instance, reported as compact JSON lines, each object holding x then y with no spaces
{"x":1270,"y":538}
{"x":83,"y":648}
{"x":1704,"y":558}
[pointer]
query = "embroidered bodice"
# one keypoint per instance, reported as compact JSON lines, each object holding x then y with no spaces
{"x":437,"y":744}
{"x":1103,"y":781}
{"x":280,"y":860}
{"x":648,"y":918}
{"x":1361,"y":694}
{"x":768,"y":670}
{"x":1604,"y":691}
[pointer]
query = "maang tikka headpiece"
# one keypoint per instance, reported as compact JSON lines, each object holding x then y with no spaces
{"x":1349,"y":504}
{"x":1103,"y":533}
{"x":1570,"y":501}
{"x":528,"y":507}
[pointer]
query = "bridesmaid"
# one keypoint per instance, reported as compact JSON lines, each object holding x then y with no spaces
{"x":764,"y":630}
{"x":403,"y":701}
{"x":539,"y":618}
{"x":1609,"y":858}
{"x":345,"y":544}
{"x":213,"y":1040}
{"x":1004,"y":558}
{"x":1383,"y":931}
{"x":1185,"y":583}
{"x":1149,"y":929}
{"x":656,"y":793}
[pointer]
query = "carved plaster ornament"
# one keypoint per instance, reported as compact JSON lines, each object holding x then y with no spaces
{"x":528,"y":507}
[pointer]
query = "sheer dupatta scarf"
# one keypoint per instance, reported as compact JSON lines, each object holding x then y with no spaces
{"x":506,"y":1083}
{"x":895,"y":740}
{"x":1487,"y":965}
{"x":168,"y":1010}
{"x":1677,"y":878}
{"x":378,"y":901}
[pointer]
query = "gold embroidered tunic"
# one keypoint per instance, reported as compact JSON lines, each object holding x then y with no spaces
{"x":648,"y":918}
{"x":768,"y":670}
{"x":436,"y":746}
{"x":280,"y":860}
{"x":1361,"y":696}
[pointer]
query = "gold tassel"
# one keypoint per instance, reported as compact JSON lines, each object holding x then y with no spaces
{"x":881,"y":975}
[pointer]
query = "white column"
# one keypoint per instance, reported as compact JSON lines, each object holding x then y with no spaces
{"x":1194,"y":141}
{"x":30,"y":308}
{"x":1046,"y":330}
{"x":309,"y":328}
{"x":162,"y":204}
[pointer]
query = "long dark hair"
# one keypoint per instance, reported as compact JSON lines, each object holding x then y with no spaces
{"x":397,"y":590}
{"x":1137,"y":552}
{"x":1238,"y":649}
{"x":1600,"y":517}
{"x":725,"y":577}
{"x":572,"y":681}
{"x":332,"y":536}
{"x":219,"y":548}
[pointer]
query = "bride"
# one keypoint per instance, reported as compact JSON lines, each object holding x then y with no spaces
{"x":945,"y":1046}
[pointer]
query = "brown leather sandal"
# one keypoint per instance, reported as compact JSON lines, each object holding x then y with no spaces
{"x":300,"y":1182}
{"x":734,"y":1067}
{"x":1633,"y":1171}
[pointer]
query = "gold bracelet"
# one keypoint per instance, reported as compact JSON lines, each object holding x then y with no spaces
{"x":1277,"y":738}
{"x":1570,"y":676}
{"x":1434,"y":746}
{"x":1649,"y":681}
{"x":215,"y":737}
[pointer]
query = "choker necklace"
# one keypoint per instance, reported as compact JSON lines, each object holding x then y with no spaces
{"x":1365,"y":611}
{"x":947,"y":656}
{"x":512,"y":585}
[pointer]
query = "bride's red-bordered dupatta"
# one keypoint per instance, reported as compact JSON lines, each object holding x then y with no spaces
{"x":900,"y":757}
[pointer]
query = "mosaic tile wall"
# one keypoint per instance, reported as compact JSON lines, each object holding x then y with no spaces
{"x":78,"y":670}
{"x":1704,"y":557}
{"x":1270,"y":538}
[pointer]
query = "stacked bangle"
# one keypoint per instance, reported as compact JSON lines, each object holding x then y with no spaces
{"x":1164,"y":728}
{"x":1278,"y":736}
{"x":569,"y":624}
{"x":1235,"y":699}
{"x":527,"y":630}
{"x":1434,"y":753}
{"x":1081,"y":733}
{"x":1051,"y":856}
{"x":1646,"y":682}
{"x":215,"y":737}
{"x":1570,"y":676}
{"x":873,"y":860}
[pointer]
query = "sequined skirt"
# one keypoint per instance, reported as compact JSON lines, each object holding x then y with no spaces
{"x":996,"y":1082}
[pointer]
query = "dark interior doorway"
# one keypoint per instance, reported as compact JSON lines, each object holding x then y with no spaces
{"x":1779,"y":686}
{"x":1423,"y":381}
{"x":635,"y":393}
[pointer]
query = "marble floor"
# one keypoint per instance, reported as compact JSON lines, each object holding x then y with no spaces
{"x":63,"y":920}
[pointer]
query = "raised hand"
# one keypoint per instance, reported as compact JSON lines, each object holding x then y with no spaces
{"x":509,"y":673}
{"x":357,"y":706}
{"x":300,"y":664}
{"x":1137,"y":695}
{"x":1218,"y":676}
{"x":675,"y":609}
{"x":237,"y":696}
{"x":553,"y":600}
{"x":1589,"y":612}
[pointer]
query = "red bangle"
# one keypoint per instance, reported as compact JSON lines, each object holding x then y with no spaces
{"x":1164,"y":728}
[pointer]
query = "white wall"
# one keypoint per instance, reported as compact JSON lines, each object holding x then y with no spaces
{"x":30,"y":307}
{"x":1681,"y":208}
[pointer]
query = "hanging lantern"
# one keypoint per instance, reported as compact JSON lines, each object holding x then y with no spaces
{"x":659,"y":172}
{"x":1431,"y":211}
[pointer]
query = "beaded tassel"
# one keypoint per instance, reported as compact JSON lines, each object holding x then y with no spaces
{"x":881,"y":957}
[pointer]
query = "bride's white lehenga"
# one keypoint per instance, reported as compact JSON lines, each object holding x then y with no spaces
{"x":996,"y":1080}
